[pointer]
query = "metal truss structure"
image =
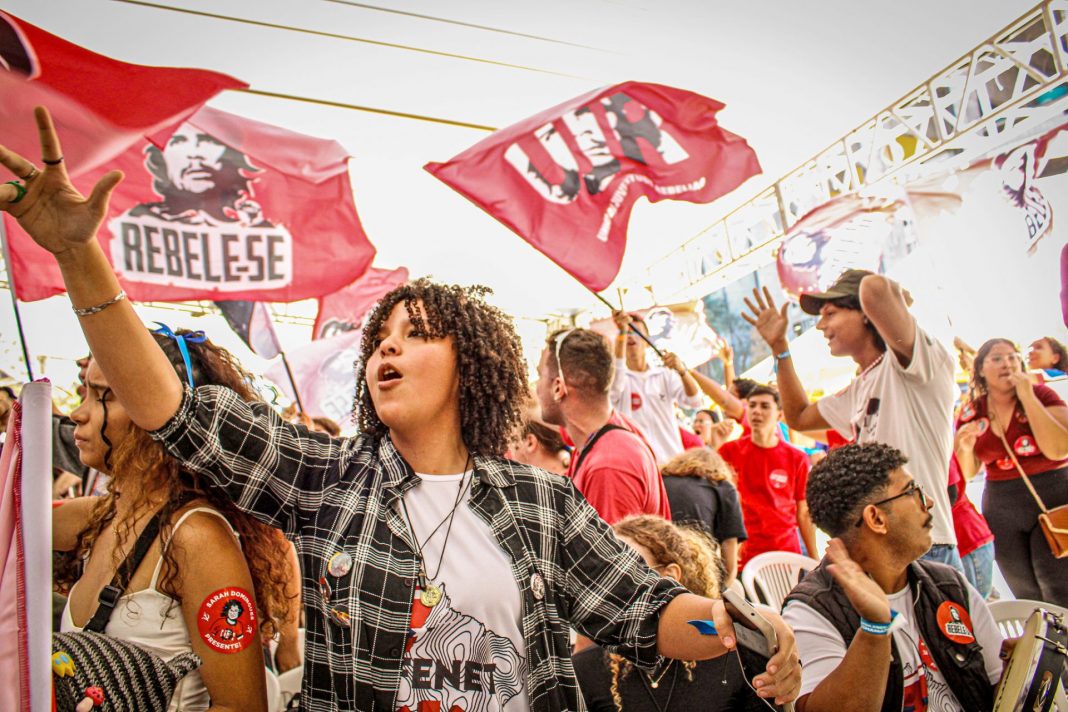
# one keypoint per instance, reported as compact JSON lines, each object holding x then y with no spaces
{"x":1013,"y":82}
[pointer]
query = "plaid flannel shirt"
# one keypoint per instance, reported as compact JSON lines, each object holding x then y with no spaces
{"x":341,"y":494}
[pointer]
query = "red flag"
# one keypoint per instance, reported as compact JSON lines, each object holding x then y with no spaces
{"x":100,"y":105}
{"x":344,"y":310}
{"x":323,"y":372}
{"x":221,"y":208}
{"x":565,"y":180}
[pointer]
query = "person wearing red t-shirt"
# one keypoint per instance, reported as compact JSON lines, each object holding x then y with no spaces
{"x":771,"y":482}
{"x":613,"y":465}
{"x":974,"y":538}
{"x":1010,"y":420}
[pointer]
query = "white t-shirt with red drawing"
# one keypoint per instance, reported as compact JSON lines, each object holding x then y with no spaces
{"x":467,"y":653}
{"x":822,"y":649}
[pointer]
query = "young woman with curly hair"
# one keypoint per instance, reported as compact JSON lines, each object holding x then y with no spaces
{"x":701,"y":491}
{"x":436,"y":573}
{"x":161,"y":599}
{"x":610,"y":683}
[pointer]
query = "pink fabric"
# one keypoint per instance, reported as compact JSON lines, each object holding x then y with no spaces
{"x":14,"y":693}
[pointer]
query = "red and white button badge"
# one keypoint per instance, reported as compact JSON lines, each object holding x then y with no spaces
{"x":227,"y":620}
{"x":955,"y":623}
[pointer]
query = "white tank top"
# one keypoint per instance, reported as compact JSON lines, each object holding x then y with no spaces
{"x":153,"y":621}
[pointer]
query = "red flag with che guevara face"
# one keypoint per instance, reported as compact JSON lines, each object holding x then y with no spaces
{"x":99,"y":105}
{"x":220,"y":208}
{"x":566,"y":179}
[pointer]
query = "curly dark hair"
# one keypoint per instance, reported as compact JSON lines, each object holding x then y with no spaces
{"x":141,"y":466}
{"x":845,"y":481}
{"x":492,"y":370}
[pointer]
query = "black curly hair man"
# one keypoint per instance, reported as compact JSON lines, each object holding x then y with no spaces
{"x":840,"y":486}
{"x":877,"y":626}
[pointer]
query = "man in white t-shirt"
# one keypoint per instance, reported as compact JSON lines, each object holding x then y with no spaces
{"x":872,"y":605}
{"x":903,"y":394}
{"x":648,"y":394}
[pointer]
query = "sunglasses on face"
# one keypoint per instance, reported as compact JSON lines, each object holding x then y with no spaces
{"x":913,"y":488}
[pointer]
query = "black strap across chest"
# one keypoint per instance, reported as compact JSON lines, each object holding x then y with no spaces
{"x":110,"y":594}
{"x":593,"y":440}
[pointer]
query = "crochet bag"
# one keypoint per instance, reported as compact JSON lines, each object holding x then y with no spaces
{"x":91,"y":670}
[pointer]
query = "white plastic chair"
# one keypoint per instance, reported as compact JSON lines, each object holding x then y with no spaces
{"x":769,"y":577}
{"x":290,"y":682}
{"x":1011,"y":616}
{"x":274,"y":693}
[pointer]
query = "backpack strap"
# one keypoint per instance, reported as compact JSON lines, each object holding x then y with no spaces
{"x":110,"y":594}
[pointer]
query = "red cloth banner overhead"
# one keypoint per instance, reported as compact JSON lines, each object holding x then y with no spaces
{"x":566,"y":179}
{"x":344,"y":310}
{"x":221,"y":208}
{"x":100,"y":105}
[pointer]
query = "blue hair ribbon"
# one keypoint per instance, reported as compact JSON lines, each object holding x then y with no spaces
{"x":194,"y":337}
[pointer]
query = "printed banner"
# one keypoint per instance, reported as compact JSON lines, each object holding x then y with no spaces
{"x":324,"y":371}
{"x":979,"y":248}
{"x":679,"y":328}
{"x":344,"y":310}
{"x":100,"y":106}
{"x":566,"y":179}
{"x":222,"y":208}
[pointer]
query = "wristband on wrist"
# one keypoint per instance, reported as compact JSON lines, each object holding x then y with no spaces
{"x":780,"y":357}
{"x":879,"y":628}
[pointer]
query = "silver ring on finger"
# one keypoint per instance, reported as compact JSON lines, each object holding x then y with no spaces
{"x":31,"y":175}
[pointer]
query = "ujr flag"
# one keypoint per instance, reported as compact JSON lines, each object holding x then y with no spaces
{"x":100,"y":105}
{"x":566,"y":179}
{"x":221,"y":208}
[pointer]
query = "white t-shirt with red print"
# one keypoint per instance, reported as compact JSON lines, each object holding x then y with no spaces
{"x":909,"y":408}
{"x":822,"y":649}
{"x":648,"y":398}
{"x":467,"y":653}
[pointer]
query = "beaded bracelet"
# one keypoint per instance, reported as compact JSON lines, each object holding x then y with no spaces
{"x":89,"y":311}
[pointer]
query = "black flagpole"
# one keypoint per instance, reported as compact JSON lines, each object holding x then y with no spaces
{"x":14,"y":300}
{"x":292,"y":381}
{"x":633,"y":330}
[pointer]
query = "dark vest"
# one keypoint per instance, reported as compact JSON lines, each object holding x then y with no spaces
{"x":961,"y":664}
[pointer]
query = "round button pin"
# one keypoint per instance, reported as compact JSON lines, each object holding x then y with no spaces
{"x":339,"y":564}
{"x":537,"y":586}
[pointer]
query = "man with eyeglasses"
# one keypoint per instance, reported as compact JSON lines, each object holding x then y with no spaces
{"x":873,"y":605}
{"x":612,"y":466}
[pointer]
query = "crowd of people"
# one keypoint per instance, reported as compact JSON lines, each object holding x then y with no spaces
{"x":484,"y":543}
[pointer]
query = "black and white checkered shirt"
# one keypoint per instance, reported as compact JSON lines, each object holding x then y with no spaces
{"x":341,"y":494}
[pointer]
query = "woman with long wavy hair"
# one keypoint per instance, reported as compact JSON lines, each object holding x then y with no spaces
{"x":610,"y":683}
{"x":205,"y":544}
{"x":1010,"y":424}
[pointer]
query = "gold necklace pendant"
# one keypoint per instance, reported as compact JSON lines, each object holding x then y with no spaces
{"x":430,"y":596}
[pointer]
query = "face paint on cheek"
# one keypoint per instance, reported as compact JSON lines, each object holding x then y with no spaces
{"x":227,"y":620}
